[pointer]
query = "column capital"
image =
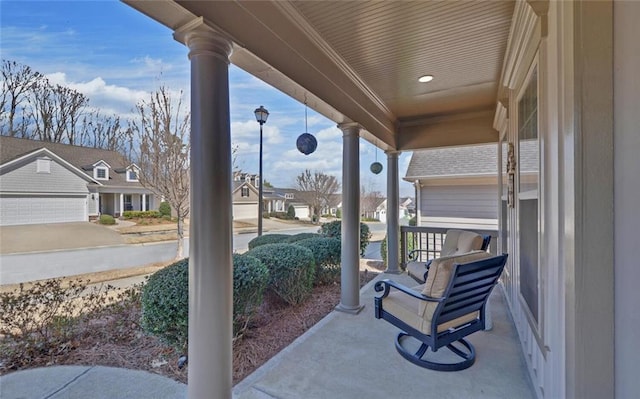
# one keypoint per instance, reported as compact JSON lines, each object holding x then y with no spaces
{"x":202,"y":39}
{"x":393,"y":153}
{"x":350,"y":128}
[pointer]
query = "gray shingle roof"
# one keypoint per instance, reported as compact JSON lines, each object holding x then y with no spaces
{"x":12,"y":148}
{"x":454,"y":161}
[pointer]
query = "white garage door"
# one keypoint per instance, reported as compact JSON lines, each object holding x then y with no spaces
{"x":34,"y":210}
{"x":245,"y":211}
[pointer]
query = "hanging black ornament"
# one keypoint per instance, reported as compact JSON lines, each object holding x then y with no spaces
{"x":376,"y":167}
{"x":306,"y":143}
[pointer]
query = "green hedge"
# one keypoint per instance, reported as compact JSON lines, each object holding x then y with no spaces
{"x":291,"y":270}
{"x":141,"y":214}
{"x":301,"y":236}
{"x":165,"y":305}
{"x":165,"y":209}
{"x":334,"y":229}
{"x":268,"y":239}
{"x":165,"y":299}
{"x":250,"y":279}
{"x":326,"y":253}
{"x":107,"y":219}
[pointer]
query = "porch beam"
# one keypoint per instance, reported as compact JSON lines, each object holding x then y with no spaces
{"x":447,"y":130}
{"x":393,"y":224}
{"x":210,"y":250}
{"x":350,"y":258}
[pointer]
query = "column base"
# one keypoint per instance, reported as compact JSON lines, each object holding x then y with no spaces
{"x":397,"y":271}
{"x":350,"y":310}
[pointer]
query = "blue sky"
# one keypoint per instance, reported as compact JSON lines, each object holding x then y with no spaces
{"x":116,"y":56}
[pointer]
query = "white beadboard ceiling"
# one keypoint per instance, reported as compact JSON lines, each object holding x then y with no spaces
{"x":360,"y":60}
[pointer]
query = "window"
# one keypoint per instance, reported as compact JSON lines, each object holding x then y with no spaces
{"x":528,"y":215}
{"x":132,"y":175}
{"x":101,"y":173}
{"x":288,"y":196}
{"x":43,"y":165}
{"x":128,"y":203}
{"x":244,"y":191}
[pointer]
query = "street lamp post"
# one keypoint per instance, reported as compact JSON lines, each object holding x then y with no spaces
{"x":261,"y":116}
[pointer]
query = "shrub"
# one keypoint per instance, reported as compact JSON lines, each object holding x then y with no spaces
{"x":107,"y":219}
{"x":326,"y":253}
{"x":250,"y":279}
{"x":334,"y":229}
{"x":338,"y":213}
{"x":301,"y":236}
{"x":413,"y":221}
{"x":165,"y":304}
{"x":165,"y":209}
{"x":42,"y":319}
{"x":141,"y":214}
{"x":291,"y":212}
{"x":165,"y":299}
{"x":291,"y":270}
{"x":383,"y":248}
{"x":268,"y":239}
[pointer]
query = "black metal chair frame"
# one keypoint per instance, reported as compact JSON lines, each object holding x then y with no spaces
{"x":412,"y":256}
{"x":467,"y":292}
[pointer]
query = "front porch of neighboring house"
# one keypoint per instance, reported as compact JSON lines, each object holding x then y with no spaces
{"x":115,"y":204}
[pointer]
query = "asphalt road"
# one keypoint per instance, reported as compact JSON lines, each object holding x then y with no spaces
{"x":25,"y":267}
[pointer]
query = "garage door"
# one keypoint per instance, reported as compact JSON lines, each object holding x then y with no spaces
{"x":245,"y":211}
{"x":34,"y":210}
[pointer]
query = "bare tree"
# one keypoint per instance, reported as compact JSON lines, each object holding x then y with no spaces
{"x":369,"y":200}
{"x":56,"y":112}
{"x":163,"y":152}
{"x":18,"y":81}
{"x":316,"y":189}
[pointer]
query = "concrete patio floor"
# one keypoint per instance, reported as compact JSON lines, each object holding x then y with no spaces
{"x":346,"y":356}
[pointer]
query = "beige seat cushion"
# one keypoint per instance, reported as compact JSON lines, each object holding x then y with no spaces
{"x":418,"y":314}
{"x":460,"y":242}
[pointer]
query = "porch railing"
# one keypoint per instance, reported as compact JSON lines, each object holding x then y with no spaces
{"x":421,"y":243}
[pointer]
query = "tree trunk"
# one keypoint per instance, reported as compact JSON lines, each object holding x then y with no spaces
{"x":179,"y":252}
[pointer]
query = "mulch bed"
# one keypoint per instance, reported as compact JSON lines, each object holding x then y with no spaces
{"x":119,"y":341}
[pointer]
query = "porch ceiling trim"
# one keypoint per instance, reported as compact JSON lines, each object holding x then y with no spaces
{"x":474,"y":127}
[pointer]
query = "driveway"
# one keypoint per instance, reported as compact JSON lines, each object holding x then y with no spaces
{"x":56,"y":236}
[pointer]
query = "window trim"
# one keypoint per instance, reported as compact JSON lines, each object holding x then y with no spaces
{"x":96,"y":173}
{"x":134,"y":170}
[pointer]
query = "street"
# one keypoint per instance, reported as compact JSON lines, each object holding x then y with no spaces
{"x":24,"y":267}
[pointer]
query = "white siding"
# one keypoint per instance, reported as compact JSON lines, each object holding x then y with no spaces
{"x":26,"y":179}
{"x":477,"y":201}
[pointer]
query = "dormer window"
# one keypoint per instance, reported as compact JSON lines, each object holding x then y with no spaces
{"x":288,"y":196}
{"x":132,"y":175}
{"x":101,"y":173}
{"x":244,"y":191}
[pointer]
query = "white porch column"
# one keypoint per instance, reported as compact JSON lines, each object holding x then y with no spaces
{"x":418,"y":201}
{"x":393,"y":223}
{"x":350,"y":275}
{"x":210,"y":249}
{"x":144,"y":202}
{"x":121,"y":204}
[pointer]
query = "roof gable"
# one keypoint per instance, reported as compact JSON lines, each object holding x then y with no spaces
{"x":26,"y":158}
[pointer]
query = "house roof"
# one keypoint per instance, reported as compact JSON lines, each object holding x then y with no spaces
{"x":81,"y":157}
{"x":468,"y":161}
{"x":453,"y":161}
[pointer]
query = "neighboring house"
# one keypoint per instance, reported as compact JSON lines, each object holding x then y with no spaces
{"x":456,"y":186}
{"x":43,"y":182}
{"x":245,"y":197}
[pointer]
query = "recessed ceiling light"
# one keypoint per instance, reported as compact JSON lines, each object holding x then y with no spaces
{"x":425,"y":78}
